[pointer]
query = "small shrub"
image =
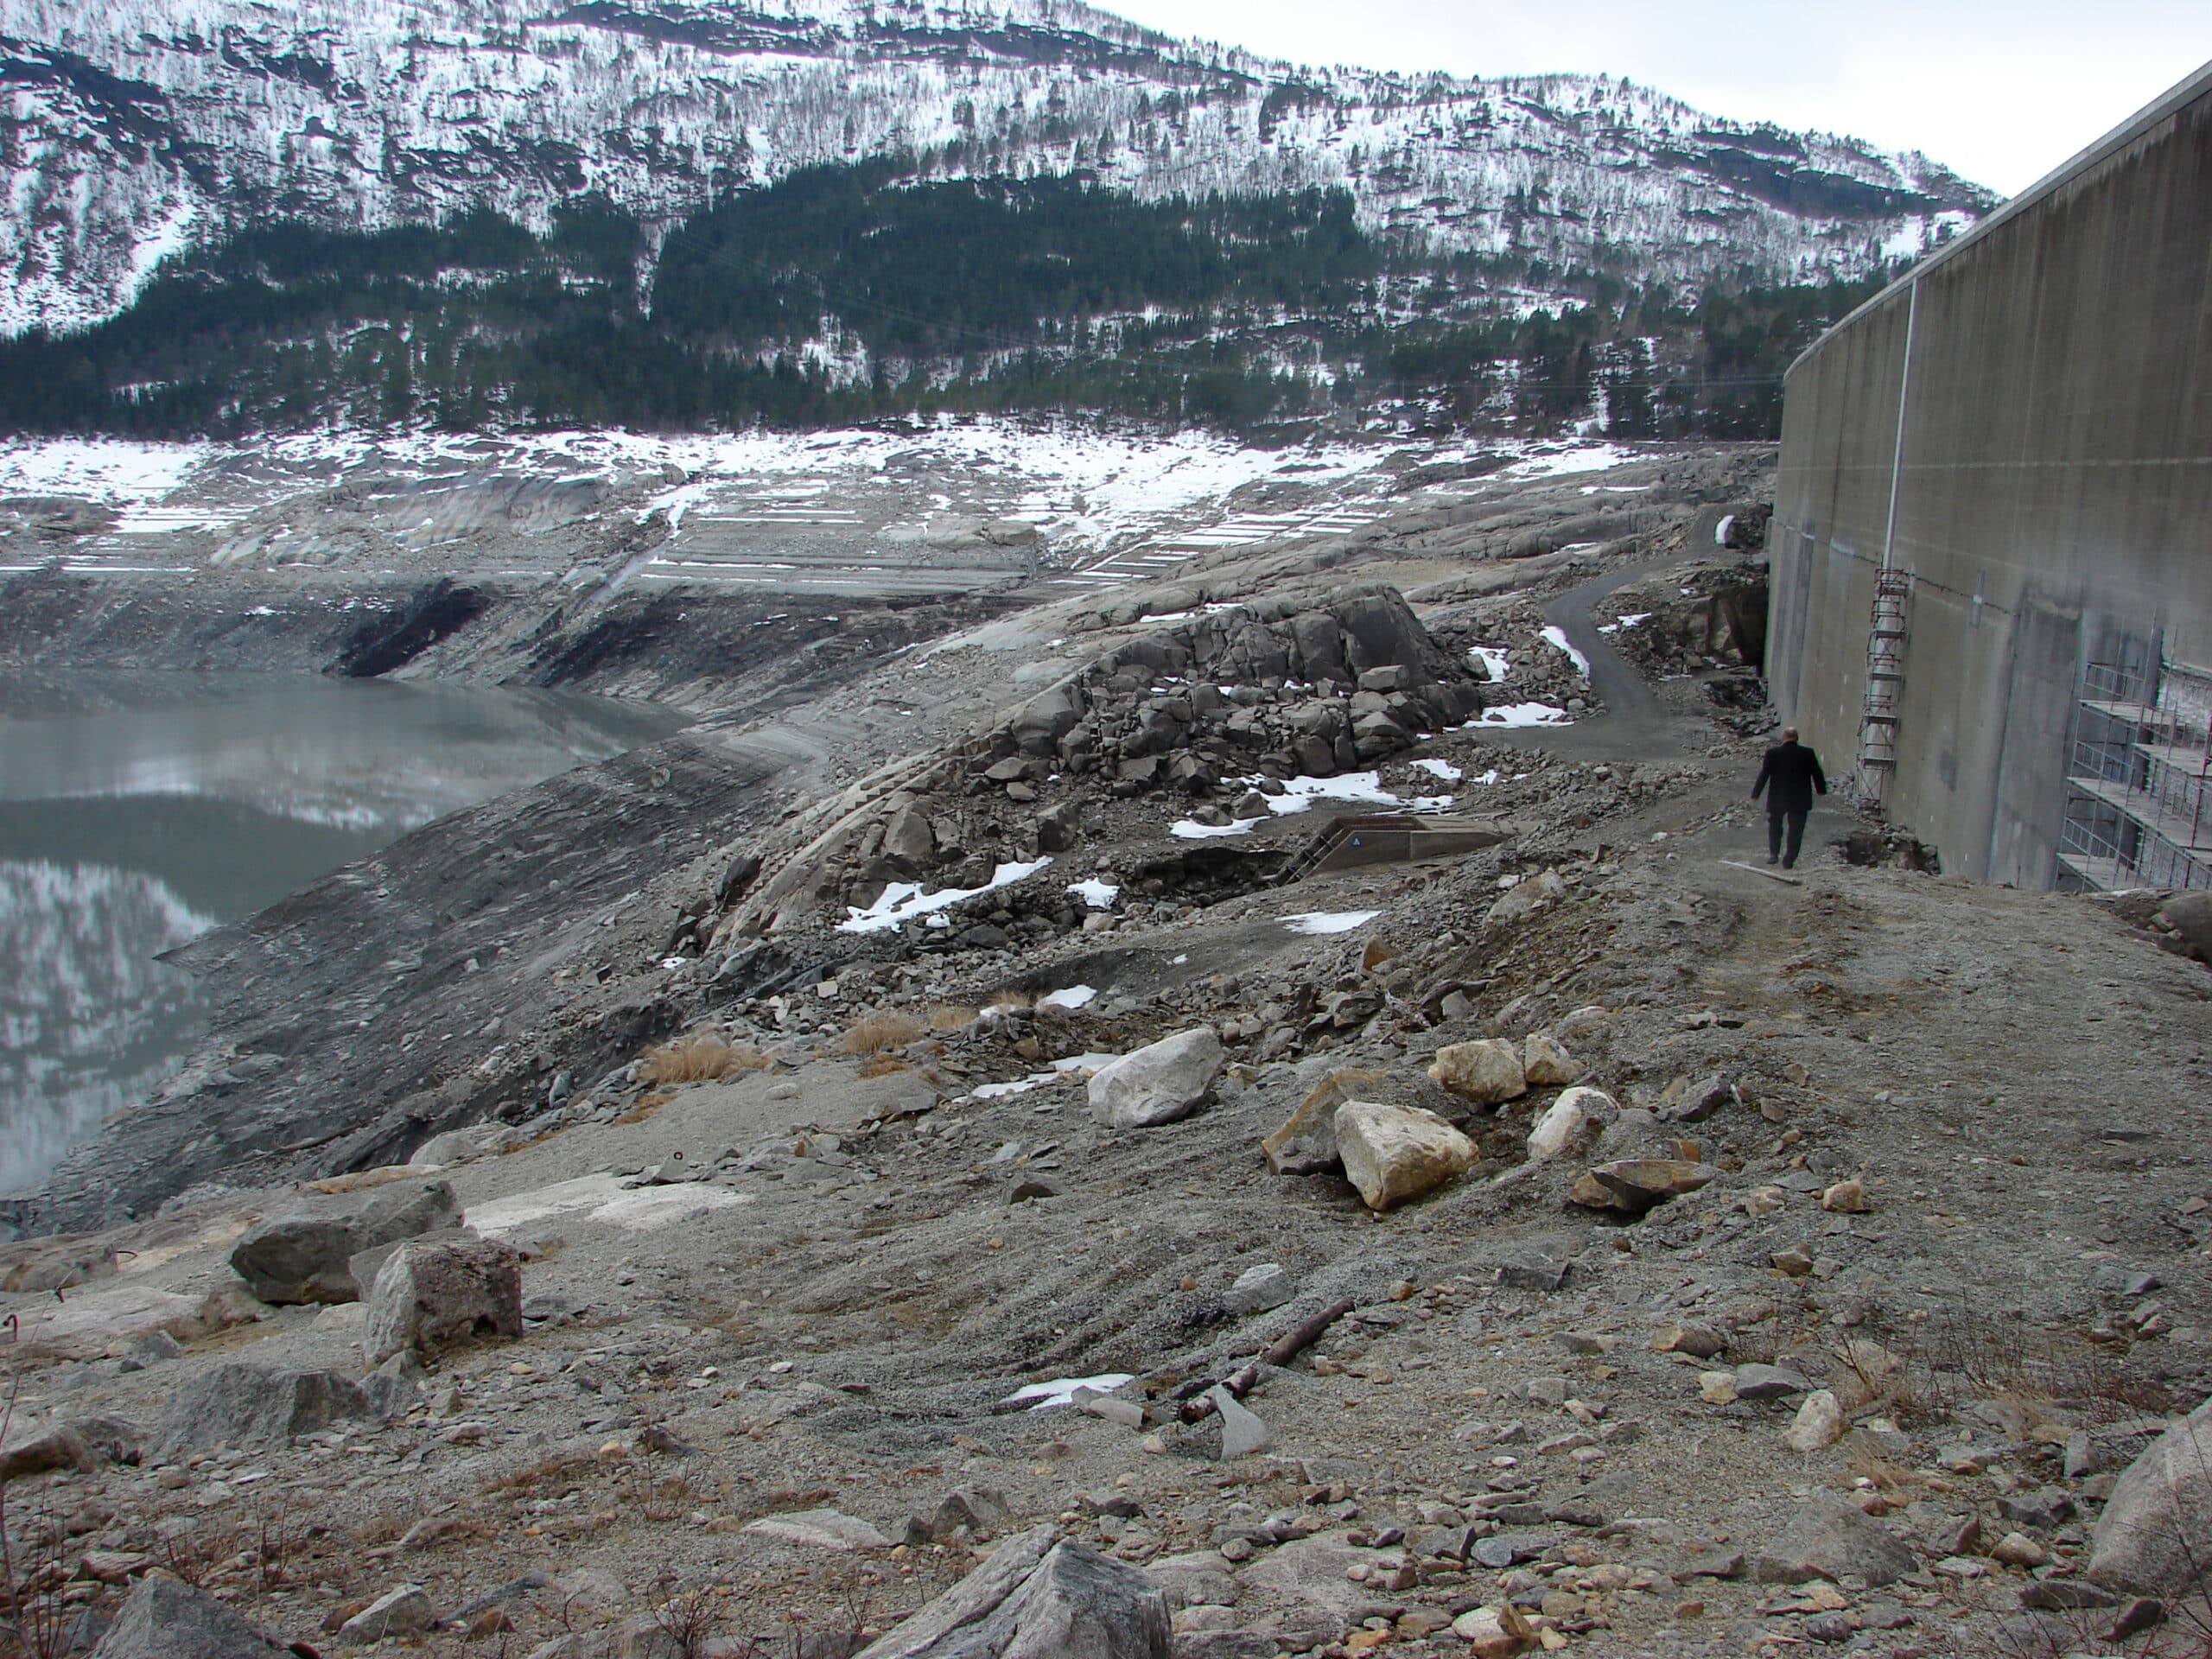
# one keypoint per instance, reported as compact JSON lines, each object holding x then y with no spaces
{"x":700,"y":1058}
{"x":877,"y":1033}
{"x":944,"y":1016}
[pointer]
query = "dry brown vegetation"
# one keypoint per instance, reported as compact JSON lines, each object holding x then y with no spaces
{"x":944,"y":1016}
{"x":877,"y":1033}
{"x":700,"y":1058}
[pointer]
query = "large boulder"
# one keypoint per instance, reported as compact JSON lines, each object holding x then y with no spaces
{"x":1393,"y":1153}
{"x":2155,"y":1536}
{"x":1037,"y":1597}
{"x":163,"y":1619}
{"x":301,"y":1256}
{"x":245,"y":1405}
{"x":1158,"y":1082}
{"x":428,"y":1297}
{"x":1485,"y":1071}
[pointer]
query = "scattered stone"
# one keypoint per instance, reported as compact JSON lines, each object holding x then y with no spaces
{"x":428,"y":1297}
{"x":1834,"y":1539}
{"x":1527,"y":899}
{"x":1830,"y":1627}
{"x":1546,"y":1064}
{"x":981,"y":1510}
{"x":1819,"y":1423}
{"x":1392,"y":1154}
{"x":1699,"y":1100}
{"x":1486,"y":1072}
{"x":1530,"y":1267}
{"x":1038,"y":1595}
{"x":2017,"y":1549}
{"x":163,"y":1619}
{"x":1698,"y":1341}
{"x":1717,"y":1388}
{"x":2066,"y":1595}
{"x":818,"y":1530}
{"x":1567,"y":1122}
{"x":1307,"y":1143}
{"x":1242,"y":1431}
{"x":401,"y":1611}
{"x":1848,"y":1198}
{"x":1257,"y":1289}
{"x":1714,"y":1561}
{"x":302,"y":1256}
{"x":1496,"y":1632}
{"x":58,"y":1447}
{"x":1158,"y":1082}
{"x":1633,"y":1185}
{"x":241,"y":1405}
{"x":1770,"y":1383}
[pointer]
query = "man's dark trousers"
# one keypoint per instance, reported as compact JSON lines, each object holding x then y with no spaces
{"x":1795,"y":819}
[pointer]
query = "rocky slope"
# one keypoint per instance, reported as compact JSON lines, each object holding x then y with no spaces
{"x":138,"y":127}
{"x":1756,"y":1262}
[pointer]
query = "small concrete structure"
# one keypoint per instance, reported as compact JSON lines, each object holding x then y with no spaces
{"x":1356,"y":839}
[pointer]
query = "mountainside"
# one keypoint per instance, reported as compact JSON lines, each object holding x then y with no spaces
{"x":138,"y":128}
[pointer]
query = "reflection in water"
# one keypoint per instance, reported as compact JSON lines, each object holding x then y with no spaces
{"x":126,"y":832}
{"x":85,"y":1012}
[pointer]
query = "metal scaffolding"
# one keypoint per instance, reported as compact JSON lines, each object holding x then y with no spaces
{"x":1878,"y":719}
{"x":2137,"y":808}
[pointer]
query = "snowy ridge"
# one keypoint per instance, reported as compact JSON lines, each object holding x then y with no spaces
{"x":137,"y":126}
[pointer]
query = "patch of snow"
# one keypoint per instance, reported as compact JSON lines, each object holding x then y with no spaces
{"x":1493,"y":659}
{"x":1300,"y":793}
{"x":1720,"y":530}
{"x":1557,"y":638}
{"x":902,"y":901}
{"x":1074,"y":996}
{"x":1083,"y":1062}
{"x":1019,"y":1086}
{"x":1633,"y":620}
{"x":1192,"y":829}
{"x":1573,"y":457}
{"x":1320,"y":922}
{"x":262,"y":610}
{"x":1099,"y":895}
{"x":1060,"y":1391}
{"x":1521,"y":713}
{"x":1490,"y":777}
{"x":1444,"y":769}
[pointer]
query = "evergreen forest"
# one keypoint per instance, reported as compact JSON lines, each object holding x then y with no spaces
{"x":845,"y":294}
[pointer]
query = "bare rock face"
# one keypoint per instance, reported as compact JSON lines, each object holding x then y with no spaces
{"x":428,"y":1297}
{"x":163,"y":1619}
{"x":1392,"y":1154}
{"x":243,"y":1405}
{"x":302,"y":1256}
{"x":1038,"y":1597}
{"x":1158,"y":1082}
{"x":2155,"y":1536}
{"x":1485,"y":1071}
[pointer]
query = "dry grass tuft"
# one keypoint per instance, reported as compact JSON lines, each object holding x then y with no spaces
{"x":884,"y":1065}
{"x":1012,"y":999}
{"x":944,"y":1016}
{"x":701,"y":1058}
{"x":877,"y":1033}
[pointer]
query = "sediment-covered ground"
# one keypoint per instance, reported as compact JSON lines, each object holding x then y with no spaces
{"x":1829,"y":1318}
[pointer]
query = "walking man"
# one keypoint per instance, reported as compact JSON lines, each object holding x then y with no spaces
{"x":1790,"y":775}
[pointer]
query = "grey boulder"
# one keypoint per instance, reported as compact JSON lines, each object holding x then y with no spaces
{"x":301,"y":1256}
{"x":1830,"y":1538}
{"x":428,"y":1297}
{"x":1037,"y":1597}
{"x":162,"y":1618}
{"x":242,"y":1405}
{"x":2155,"y":1536}
{"x":1158,"y":1082}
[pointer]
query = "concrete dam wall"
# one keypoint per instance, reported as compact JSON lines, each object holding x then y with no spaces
{"x":1992,"y":537}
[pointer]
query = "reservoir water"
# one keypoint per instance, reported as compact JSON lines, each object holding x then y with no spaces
{"x":126,"y":831}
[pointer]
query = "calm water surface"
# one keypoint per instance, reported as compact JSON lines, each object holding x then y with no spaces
{"x":127,"y":831}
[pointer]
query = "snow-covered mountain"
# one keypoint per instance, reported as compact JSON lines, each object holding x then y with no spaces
{"x":134,"y":127}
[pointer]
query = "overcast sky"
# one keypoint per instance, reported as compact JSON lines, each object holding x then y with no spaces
{"x":2000,"y":92}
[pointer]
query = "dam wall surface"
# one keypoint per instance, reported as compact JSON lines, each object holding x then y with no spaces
{"x":1992,"y":536}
